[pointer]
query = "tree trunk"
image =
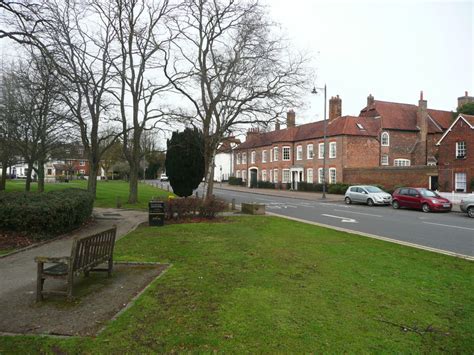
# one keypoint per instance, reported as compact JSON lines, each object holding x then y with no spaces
{"x":133,"y":184}
{"x":40,"y":176}
{"x":3,"y":178}
{"x":92,"y":182}
{"x":29,"y":172}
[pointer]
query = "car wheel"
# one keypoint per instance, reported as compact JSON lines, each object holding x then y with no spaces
{"x":425,"y":208}
{"x":370,"y":202}
{"x":395,"y":205}
{"x":470,"y":212}
{"x":347,"y":200}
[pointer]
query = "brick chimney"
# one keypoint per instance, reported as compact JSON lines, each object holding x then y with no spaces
{"x":290,"y":119}
{"x":370,"y":100}
{"x":335,"y":107}
{"x":251,"y":132}
{"x":422,"y":124}
{"x":277,"y":126}
{"x":466,"y":99}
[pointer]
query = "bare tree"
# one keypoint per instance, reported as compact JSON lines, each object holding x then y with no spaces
{"x":141,"y":39}
{"x":77,"y":42}
{"x":233,"y":69}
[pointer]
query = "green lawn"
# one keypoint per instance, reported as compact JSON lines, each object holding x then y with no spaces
{"x":265,"y":284}
{"x":107,"y":192}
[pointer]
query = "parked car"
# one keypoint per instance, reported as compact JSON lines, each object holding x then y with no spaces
{"x":163,"y":177}
{"x":420,"y":198}
{"x":371,"y":195}
{"x":467,"y":206}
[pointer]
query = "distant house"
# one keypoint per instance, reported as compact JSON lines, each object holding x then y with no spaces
{"x":456,"y":156}
{"x":387,"y":143}
{"x":223,"y":161}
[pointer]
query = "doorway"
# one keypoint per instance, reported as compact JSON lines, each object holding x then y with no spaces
{"x":433,"y":183}
{"x":253,"y":178}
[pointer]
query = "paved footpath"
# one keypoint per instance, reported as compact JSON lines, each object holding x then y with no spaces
{"x":18,"y":271}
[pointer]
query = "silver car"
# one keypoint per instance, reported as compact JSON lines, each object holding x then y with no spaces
{"x":467,"y":206}
{"x":370,"y":195}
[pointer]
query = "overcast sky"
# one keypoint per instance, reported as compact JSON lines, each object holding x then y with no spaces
{"x":389,"y":49}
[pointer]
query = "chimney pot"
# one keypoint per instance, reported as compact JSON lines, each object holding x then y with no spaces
{"x":421,"y":95}
{"x":370,"y":100}
{"x":465,"y":94}
{"x":335,"y":107}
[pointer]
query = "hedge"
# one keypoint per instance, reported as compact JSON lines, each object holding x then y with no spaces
{"x":235,"y":181}
{"x":265,"y":185}
{"x":45,"y":214}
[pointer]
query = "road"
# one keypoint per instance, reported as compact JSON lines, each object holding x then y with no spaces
{"x":452,"y":232}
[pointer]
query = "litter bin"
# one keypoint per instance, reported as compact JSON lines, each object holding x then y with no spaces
{"x":156,"y":213}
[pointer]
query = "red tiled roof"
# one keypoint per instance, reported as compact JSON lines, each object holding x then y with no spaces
{"x":403,"y":116}
{"x":345,"y":125}
{"x":468,"y":118}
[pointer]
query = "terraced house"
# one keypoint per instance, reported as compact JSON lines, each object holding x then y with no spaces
{"x":388,"y":143}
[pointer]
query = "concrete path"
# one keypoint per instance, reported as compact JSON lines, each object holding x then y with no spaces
{"x":18,"y":271}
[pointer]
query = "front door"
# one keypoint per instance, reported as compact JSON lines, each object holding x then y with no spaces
{"x":253,"y":178}
{"x":434,"y":183}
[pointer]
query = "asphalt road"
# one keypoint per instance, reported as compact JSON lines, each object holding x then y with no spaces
{"x":452,"y":232}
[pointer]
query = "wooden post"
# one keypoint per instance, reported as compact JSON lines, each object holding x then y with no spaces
{"x":118,"y":202}
{"x":197,"y":194}
{"x":233,"y":204}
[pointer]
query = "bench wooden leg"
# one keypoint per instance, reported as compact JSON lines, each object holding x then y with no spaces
{"x":39,"y":282}
{"x":111,"y":265}
{"x":70,"y":282}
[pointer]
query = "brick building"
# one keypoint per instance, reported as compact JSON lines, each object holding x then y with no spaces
{"x":384,"y":134}
{"x":456,"y":156}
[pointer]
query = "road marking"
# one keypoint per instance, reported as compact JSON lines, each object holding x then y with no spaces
{"x":343,"y":219}
{"x":449,"y":225}
{"x":365,"y":214}
{"x":373,"y":236}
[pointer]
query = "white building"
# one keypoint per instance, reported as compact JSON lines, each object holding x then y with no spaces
{"x":223,"y":161}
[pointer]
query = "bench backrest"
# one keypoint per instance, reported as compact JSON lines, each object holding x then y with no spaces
{"x":92,"y":250}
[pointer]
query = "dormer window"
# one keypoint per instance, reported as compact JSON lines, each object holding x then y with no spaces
{"x":360,"y":127}
{"x":385,"y":139}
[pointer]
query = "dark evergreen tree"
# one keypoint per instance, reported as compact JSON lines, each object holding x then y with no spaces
{"x":467,"y":109}
{"x":185,"y":161}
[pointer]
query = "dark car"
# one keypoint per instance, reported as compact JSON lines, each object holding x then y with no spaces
{"x":419,"y":198}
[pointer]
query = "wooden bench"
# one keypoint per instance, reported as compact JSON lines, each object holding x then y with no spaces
{"x":86,"y":254}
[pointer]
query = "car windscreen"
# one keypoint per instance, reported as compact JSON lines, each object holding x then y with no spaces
{"x":428,"y":193}
{"x":373,"y":189}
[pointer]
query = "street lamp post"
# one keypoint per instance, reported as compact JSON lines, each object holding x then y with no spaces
{"x":314,"y":91}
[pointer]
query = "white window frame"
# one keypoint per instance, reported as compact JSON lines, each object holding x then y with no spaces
{"x":244,"y":175}
{"x":332,"y":150}
{"x":299,"y":152}
{"x":82,"y":172}
{"x":384,"y":160}
{"x":271,"y":155}
{"x":309,"y":176}
{"x":270,"y":178}
{"x":264,"y":156}
{"x":82,"y":163}
{"x":275,"y":176}
{"x":285,"y":176}
{"x":321,"y":151}
{"x":332,"y":179}
{"x":401,"y":162}
{"x":275,"y":154}
{"x":237,"y":174}
{"x":253,"y":156}
{"x":461,"y":150}
{"x":264,"y":175}
{"x":239,"y":158}
{"x":244,"y":158}
{"x":320,"y":175}
{"x":309,"y":151}
{"x":385,"y":136}
{"x":288,"y":150}
{"x":460,"y":182}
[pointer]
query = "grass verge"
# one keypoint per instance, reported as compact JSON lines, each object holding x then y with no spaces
{"x":107,"y":192}
{"x":265,"y":284}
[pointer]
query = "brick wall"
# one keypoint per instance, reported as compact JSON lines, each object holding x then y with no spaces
{"x":448,"y":164}
{"x":391,"y":176}
{"x":361,"y":152}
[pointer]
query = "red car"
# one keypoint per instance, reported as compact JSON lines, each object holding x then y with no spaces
{"x":419,"y":198}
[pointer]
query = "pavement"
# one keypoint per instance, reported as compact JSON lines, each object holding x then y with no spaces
{"x":18,"y":270}
{"x":301,"y":195}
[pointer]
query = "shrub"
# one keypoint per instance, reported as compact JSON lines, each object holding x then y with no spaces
{"x":306,"y":186}
{"x":181,"y":208}
{"x":338,"y":189}
{"x":265,"y":185}
{"x":45,"y":214}
{"x":235,"y":181}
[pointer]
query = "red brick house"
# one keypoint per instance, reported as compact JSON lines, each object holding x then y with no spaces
{"x":384,"y":134}
{"x":456,"y":156}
